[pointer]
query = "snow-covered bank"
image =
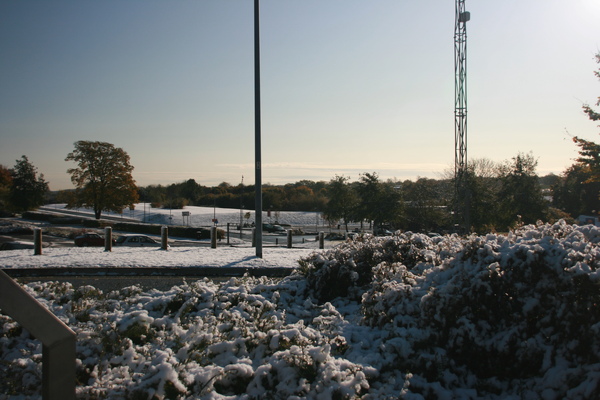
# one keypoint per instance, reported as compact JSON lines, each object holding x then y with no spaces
{"x":132,"y":257}
{"x":203,"y":216}
{"x":412,"y":317}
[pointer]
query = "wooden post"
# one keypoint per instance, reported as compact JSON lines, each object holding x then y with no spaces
{"x":289,"y":238}
{"x":164,"y":238}
{"x":321,"y":240}
{"x":108,"y":238}
{"x":37,"y":241}
{"x":213,"y":237}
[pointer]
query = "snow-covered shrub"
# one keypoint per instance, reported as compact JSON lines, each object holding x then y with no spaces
{"x":251,"y":337}
{"x":481,"y":317}
{"x":348,"y":269}
{"x":504,"y":307}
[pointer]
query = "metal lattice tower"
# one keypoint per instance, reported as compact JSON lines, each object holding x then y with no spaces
{"x":460,"y":114}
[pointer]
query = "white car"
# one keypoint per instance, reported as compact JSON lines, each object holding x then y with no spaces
{"x":137,"y":241}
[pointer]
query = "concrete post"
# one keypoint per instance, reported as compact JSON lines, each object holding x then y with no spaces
{"x":37,"y":241}
{"x":164,"y":238}
{"x":108,"y":238}
{"x":321,"y":240}
{"x":58,"y":341}
{"x":289,"y":238}
{"x":213,"y":237}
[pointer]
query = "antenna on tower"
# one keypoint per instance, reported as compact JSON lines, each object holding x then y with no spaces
{"x":462,"y":197}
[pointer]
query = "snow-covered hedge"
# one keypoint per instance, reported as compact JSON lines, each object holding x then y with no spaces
{"x":407,"y":316}
{"x":499,"y":308}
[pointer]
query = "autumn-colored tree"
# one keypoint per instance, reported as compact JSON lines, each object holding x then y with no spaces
{"x":102,"y":177}
{"x":592,"y":114}
{"x":575,"y":193}
{"x":27,"y":188}
{"x":589,"y":152}
{"x":378,"y":202}
{"x":589,"y":156}
{"x":520,"y":195}
{"x":424,"y":201}
{"x":342,"y":200}
{"x":5,"y":183}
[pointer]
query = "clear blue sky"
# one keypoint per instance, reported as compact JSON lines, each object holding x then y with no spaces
{"x":348,"y":86}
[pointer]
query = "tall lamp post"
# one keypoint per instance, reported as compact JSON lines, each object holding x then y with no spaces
{"x":257,"y":152}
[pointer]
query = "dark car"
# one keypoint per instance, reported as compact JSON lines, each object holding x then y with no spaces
{"x":90,"y":239}
{"x":273,"y":228}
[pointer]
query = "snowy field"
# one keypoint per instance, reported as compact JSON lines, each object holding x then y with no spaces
{"x":203,"y":216}
{"x":406,"y":316}
{"x":132,"y":257}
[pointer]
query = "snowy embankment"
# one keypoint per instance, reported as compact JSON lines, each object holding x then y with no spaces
{"x":408,"y":316}
{"x":202,"y":216}
{"x":133,"y":257}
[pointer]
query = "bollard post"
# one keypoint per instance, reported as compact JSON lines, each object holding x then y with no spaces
{"x":289,"y":238}
{"x":253,"y":237}
{"x":321,"y":240}
{"x":164,"y":238}
{"x":37,"y":241}
{"x":228,"y":233}
{"x":213,"y":237}
{"x":108,"y":238}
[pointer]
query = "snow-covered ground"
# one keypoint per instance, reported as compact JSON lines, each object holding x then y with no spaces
{"x":408,"y":316}
{"x":203,"y":216}
{"x":131,"y":257}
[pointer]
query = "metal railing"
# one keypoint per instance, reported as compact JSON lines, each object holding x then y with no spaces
{"x":58,"y":340}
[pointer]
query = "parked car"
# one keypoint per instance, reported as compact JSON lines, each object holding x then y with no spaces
{"x":136,"y":241}
{"x":381,"y":231}
{"x":273,"y":228}
{"x":90,"y":239}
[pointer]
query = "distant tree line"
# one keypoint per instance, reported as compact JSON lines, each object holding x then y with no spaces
{"x":500,"y":196}
{"x":299,"y":196}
